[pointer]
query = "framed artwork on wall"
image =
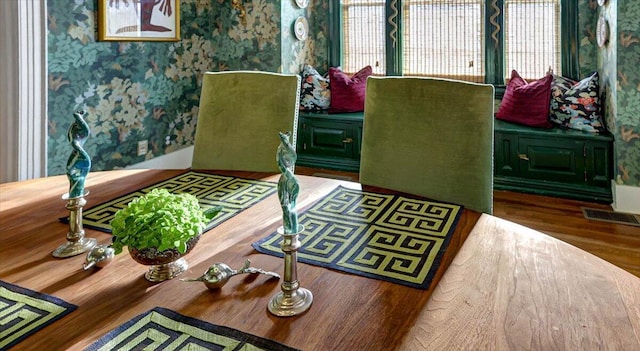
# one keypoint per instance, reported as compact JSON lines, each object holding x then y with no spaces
{"x":139,"y":20}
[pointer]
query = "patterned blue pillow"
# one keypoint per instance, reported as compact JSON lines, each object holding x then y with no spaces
{"x":576,"y":105}
{"x":314,"y":93}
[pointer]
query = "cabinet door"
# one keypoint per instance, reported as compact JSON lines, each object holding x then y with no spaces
{"x":506,"y":155}
{"x":357,"y":140}
{"x":599,"y":164}
{"x":552,"y":160}
{"x":327,"y":139}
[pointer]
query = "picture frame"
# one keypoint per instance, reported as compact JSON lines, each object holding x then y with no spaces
{"x":139,"y":20}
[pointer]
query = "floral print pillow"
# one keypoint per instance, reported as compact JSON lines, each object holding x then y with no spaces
{"x":576,"y":104}
{"x":314,"y":93}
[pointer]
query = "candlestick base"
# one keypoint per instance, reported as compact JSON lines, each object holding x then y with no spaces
{"x":293,"y":299}
{"x":285,"y":305}
{"x":76,"y":242}
{"x":74,"y":248}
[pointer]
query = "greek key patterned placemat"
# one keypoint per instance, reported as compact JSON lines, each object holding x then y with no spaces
{"x":24,"y":312}
{"x":163,"y":329}
{"x":232,"y":193}
{"x":387,"y":237}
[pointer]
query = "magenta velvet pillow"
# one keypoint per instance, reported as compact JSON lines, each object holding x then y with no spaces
{"x":347,"y":93}
{"x":526,"y":103}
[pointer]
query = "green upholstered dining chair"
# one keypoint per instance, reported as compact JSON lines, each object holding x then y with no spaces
{"x":430,"y":137}
{"x":241,"y":113}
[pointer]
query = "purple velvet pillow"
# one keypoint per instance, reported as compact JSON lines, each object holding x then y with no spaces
{"x":526,"y":103}
{"x":347,"y":93}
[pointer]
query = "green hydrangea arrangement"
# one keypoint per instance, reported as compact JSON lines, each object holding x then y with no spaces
{"x":161,"y":220}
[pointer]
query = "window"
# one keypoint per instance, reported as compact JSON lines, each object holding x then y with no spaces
{"x":449,"y":44}
{"x":473,"y":40}
{"x":363,"y":35}
{"x":532,"y":36}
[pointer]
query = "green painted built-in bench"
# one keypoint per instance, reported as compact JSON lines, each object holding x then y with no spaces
{"x":330,"y":141}
{"x":555,"y":162}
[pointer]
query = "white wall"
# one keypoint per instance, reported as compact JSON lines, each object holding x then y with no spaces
{"x":180,"y":159}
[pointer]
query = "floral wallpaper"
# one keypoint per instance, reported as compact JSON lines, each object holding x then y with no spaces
{"x":314,"y":50}
{"x":136,"y":91}
{"x":587,"y":48}
{"x":618,"y":62}
{"x":627,"y":130}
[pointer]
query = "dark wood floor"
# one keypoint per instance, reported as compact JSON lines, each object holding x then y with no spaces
{"x":560,"y":218}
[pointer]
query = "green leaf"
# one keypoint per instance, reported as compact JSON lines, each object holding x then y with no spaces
{"x":160,"y":219}
{"x":210,"y":213}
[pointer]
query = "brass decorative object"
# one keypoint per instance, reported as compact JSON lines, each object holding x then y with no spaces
{"x":78,"y":166}
{"x":76,"y":242}
{"x":293,"y":299}
{"x":218,"y":274}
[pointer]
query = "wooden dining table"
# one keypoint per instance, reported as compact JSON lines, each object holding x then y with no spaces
{"x":499,"y":286}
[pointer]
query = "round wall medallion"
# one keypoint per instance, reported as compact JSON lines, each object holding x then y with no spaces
{"x":302,"y":3}
{"x":602,"y":31}
{"x":301,"y":28}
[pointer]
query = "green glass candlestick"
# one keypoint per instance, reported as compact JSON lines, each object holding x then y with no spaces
{"x":78,"y":166}
{"x":293,"y":299}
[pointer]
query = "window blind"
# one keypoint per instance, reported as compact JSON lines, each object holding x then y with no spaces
{"x":444,"y":38}
{"x":363,"y":24}
{"x":532,"y":37}
{"x":451,"y":38}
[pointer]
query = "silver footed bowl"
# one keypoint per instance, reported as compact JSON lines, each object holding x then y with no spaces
{"x":151,"y":255}
{"x":165,"y":264}
{"x":218,"y":274}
